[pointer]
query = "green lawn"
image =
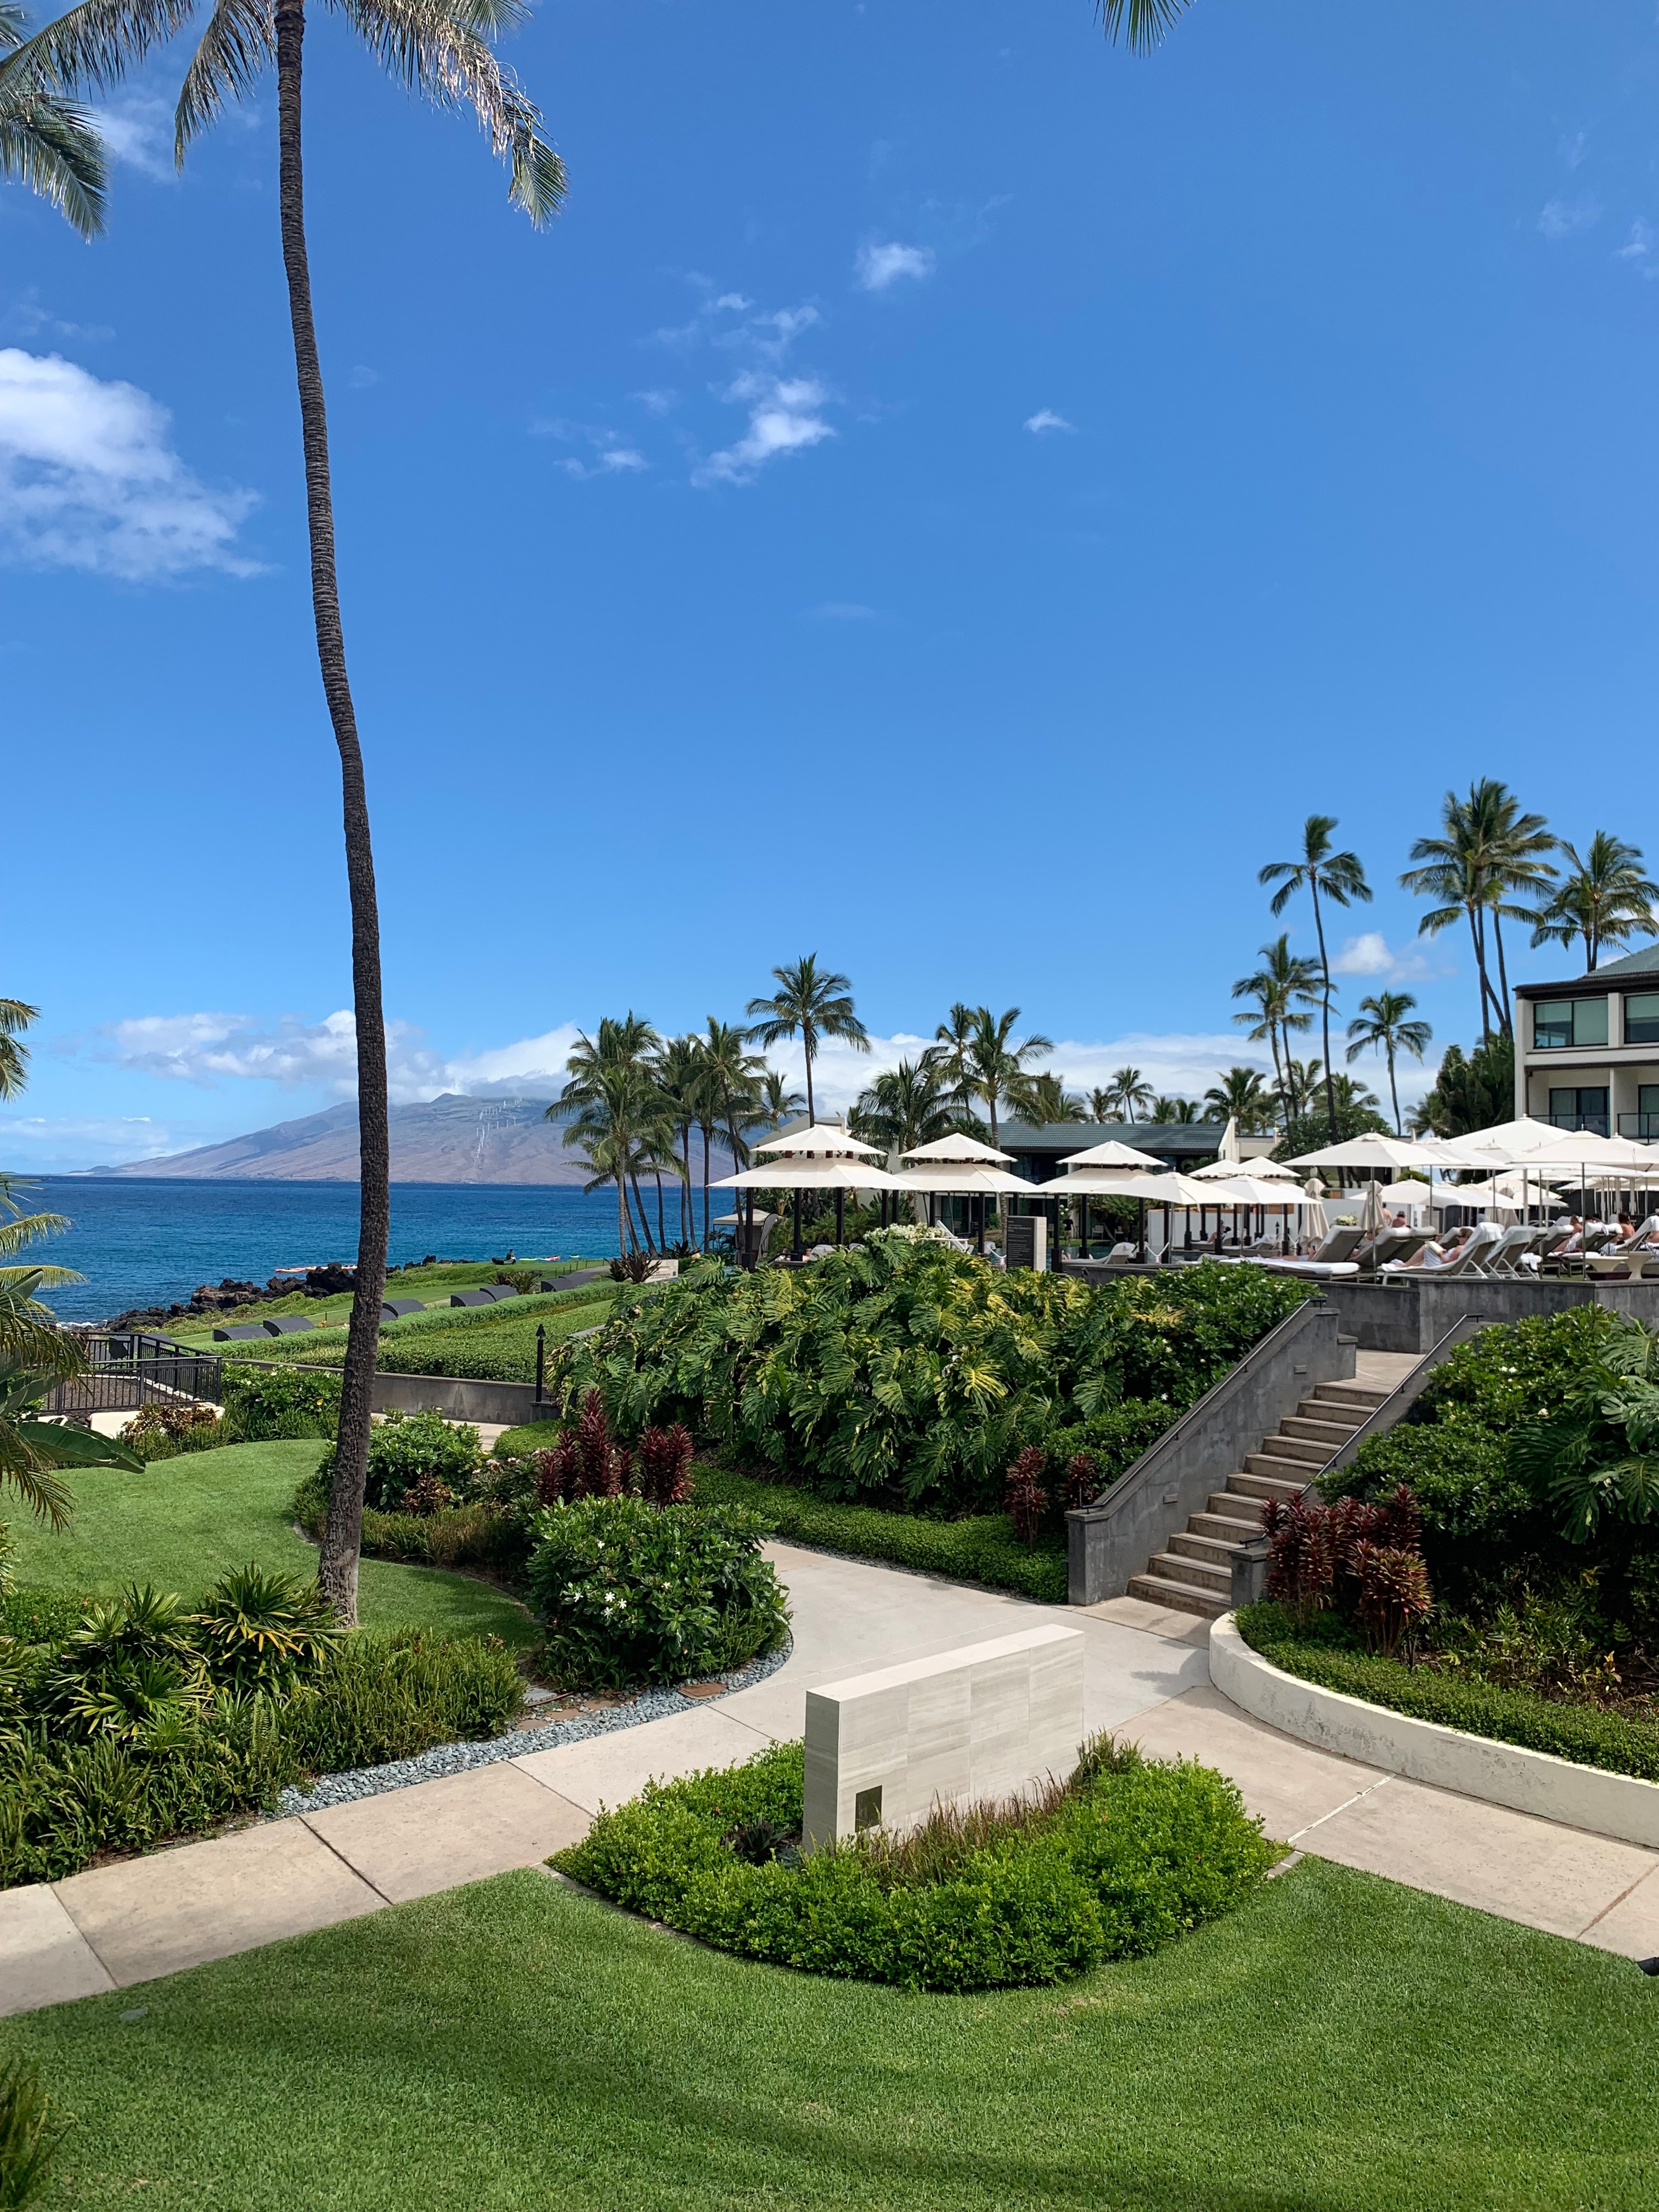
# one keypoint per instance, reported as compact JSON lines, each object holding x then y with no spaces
{"x":183,"y":1522}
{"x":429,"y":1283}
{"x":1339,"y":2044}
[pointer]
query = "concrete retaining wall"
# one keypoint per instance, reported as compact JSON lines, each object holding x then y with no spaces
{"x":460,"y":1400}
{"x":1109,"y":1541}
{"x":1619,"y":1805}
{"x":1413,"y":1317}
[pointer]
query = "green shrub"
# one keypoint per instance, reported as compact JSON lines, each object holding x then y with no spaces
{"x":901,"y":1368}
{"x":266,"y":1402}
{"x":635,"y":1593}
{"x":1123,"y":1858}
{"x":981,"y":1547}
{"x":403,"y":1447}
{"x":30,"y":2132}
{"x":160,"y":1431}
{"x":40,"y":1616}
{"x":1622,"y":1743}
{"x":1480,"y":1523}
{"x":143,"y":1722}
{"x":1115,"y":1438}
{"x":475,"y":1534}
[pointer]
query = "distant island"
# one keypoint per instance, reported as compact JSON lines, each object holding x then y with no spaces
{"x":444,"y":1141}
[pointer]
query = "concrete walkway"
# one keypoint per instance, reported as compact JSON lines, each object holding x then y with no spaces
{"x":1146,"y":1674}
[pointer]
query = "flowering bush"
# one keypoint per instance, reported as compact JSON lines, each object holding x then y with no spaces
{"x":635,"y":1593}
{"x":407,"y":1450}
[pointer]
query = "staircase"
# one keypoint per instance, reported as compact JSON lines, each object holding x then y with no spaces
{"x":1194,"y":1572}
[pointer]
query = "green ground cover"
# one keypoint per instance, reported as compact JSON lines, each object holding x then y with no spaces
{"x":437,"y":1282}
{"x":184,"y":1521}
{"x":1337,"y":2044}
{"x":496,"y":1344}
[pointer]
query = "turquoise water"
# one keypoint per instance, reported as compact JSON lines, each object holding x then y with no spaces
{"x":140,"y":1243}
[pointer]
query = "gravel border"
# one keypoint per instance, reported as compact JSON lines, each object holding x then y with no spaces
{"x":460,"y":1758}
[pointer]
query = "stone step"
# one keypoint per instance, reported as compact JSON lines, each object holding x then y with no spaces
{"x":1329,"y":1435}
{"x":1198,"y":1574}
{"x":1284,"y":1486}
{"x":1232,"y":1526}
{"x":1345,"y":1418}
{"x":1363,"y":1395}
{"x":1313,"y":1450}
{"x":1179,"y":1597}
{"x":1199,"y":1544}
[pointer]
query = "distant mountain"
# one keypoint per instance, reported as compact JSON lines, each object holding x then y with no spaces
{"x":447,"y":1140}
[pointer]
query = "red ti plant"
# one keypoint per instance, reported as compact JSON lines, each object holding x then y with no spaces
{"x":1082,"y":1481}
{"x":1363,"y":1560}
{"x":599,"y":1463}
{"x":1027,"y":1499}
{"x":665,"y":1465}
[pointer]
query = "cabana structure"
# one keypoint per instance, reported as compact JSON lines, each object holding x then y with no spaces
{"x":821,"y":1157}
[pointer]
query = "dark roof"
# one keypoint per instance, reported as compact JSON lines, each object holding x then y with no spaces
{"x":1632,"y":967}
{"x":1168,"y":1140}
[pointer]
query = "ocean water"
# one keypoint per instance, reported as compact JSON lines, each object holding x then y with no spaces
{"x":140,"y":1243}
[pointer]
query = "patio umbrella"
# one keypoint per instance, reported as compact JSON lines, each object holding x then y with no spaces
{"x":1377,"y":1149}
{"x":1259,"y":1170}
{"x":836,"y":1175}
{"x":1110,"y":1154}
{"x":1167,"y":1190}
{"x":968,"y":1178}
{"x":958,"y":1147}
{"x":819,"y":1140}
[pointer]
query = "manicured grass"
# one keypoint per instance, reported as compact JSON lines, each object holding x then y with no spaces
{"x":1338,"y":2045}
{"x":431,"y":1283}
{"x":183,"y":1522}
{"x":495,"y":1343}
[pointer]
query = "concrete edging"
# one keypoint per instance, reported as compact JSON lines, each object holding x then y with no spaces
{"x":1536,"y":1782}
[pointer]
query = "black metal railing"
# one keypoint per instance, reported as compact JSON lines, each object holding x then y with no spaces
{"x":1644,"y":1127}
{"x":125,"y":1369}
{"x":1595,"y":1123}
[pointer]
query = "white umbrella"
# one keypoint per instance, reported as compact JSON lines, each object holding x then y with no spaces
{"x":1510,"y":1138}
{"x":1247,"y":1189}
{"x":970,"y":1175}
{"x":1376,"y":1150}
{"x":956,"y":1148}
{"x":821,"y":1140}
{"x":1229,"y":1149}
{"x":1111,"y":1154}
{"x":812,"y":1174}
{"x":1225,"y":1170}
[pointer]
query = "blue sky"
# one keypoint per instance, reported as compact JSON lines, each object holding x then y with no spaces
{"x":946,"y":494}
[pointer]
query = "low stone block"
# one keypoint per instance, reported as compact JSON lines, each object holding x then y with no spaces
{"x":395,"y":1309}
{"x":986,"y":1720}
{"x":471,"y":1299}
{"x":288,"y":1324}
{"x":244,"y":1333}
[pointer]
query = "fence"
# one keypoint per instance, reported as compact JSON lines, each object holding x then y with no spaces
{"x":127,"y":1370}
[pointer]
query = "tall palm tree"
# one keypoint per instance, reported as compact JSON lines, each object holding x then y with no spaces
{"x":1485,"y":848}
{"x":905,"y":1106}
{"x":1283,"y":988}
{"x":810,"y":1006}
{"x":441,"y":49}
{"x":734,"y":1076}
{"x":777,"y":1102}
{"x":1325,"y":873}
{"x":1382,"y":1026}
{"x":1042,"y":1099}
{"x":1141,"y":24}
{"x":995,"y":1061}
{"x":1127,"y":1096}
{"x":48,"y":142}
{"x":1604,"y":898}
{"x":1239,"y":1095}
{"x":953,"y":1039}
{"x":1164,"y":1110}
{"x":614,"y":1096}
{"x":677,"y":1068}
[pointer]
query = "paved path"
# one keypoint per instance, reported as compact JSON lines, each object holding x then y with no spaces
{"x":1146,"y":1673}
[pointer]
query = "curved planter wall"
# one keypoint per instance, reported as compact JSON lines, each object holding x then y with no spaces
{"x":1621,"y":1805}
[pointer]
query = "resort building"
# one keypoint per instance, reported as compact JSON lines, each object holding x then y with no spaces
{"x":1587,"y":1052}
{"x":1037,"y":1152}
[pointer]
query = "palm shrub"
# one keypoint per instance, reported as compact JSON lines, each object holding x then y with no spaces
{"x":405,"y":1449}
{"x":30,"y":2132}
{"x":901,"y":1368}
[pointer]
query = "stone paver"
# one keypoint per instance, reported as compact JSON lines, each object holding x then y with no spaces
{"x":608,"y":1770}
{"x":1630,"y":1923}
{"x":459,"y":1828}
{"x":44,"y":1957}
{"x":1290,"y":1785}
{"x":154,"y":1916}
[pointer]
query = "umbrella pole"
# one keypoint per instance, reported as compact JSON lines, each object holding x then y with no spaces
{"x":795,"y":1249}
{"x":932,"y":1209}
{"x":749,"y":1230}
{"x":841,"y":1213}
{"x":1141,"y":1203}
{"x":979,"y":1225}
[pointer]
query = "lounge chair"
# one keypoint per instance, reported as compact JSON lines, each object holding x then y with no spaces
{"x":1337,"y":1245}
{"x":1392,"y":1247}
{"x":1505,"y":1255}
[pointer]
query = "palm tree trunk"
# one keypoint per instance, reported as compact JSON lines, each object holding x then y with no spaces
{"x":1394,"y":1092}
{"x":662,"y":1231}
{"x":688,"y":1202}
{"x":811,"y":1114}
{"x":1279,"y":1080}
{"x":639,"y":1201}
{"x":1503,"y":971}
{"x":624,"y":1229}
{"x":705,"y":1133}
{"x":1325,"y":1013}
{"x":336,"y":1567}
{"x":1480,"y":971}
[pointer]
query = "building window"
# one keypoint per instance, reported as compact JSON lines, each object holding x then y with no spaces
{"x":1642,"y":1019}
{"x":1644,"y":1121}
{"x":1568,"y":1022}
{"x":1575,"y":1109}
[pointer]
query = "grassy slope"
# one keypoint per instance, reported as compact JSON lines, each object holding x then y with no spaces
{"x":498,"y":1342}
{"x":183,"y":1522}
{"x":1339,"y":2044}
{"x":430,"y":1283}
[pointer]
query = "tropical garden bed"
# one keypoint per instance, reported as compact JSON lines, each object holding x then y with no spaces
{"x":1492,"y":1564}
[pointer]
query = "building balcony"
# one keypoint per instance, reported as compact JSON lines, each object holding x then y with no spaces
{"x":1645,"y":1127}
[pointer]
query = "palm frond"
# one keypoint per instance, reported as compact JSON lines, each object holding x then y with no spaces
{"x":48,"y":143}
{"x":239,"y":43}
{"x":93,"y":46}
{"x":1142,"y":25}
{"x":431,"y":47}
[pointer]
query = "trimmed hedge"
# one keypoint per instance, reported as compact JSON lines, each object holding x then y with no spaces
{"x":1617,"y":1743}
{"x":1129,"y":1856}
{"x":983,"y":1548}
{"x":476,"y":1534}
{"x":488,"y":1344}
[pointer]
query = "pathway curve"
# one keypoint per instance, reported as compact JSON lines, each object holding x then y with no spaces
{"x":1146,"y":1674}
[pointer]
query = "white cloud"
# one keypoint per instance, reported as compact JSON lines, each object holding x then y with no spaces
{"x":613,"y":460}
{"x":783,"y":418}
{"x":1561,"y":218}
{"x":45,"y":1144}
{"x":138,"y":130}
{"x":88,"y":479}
{"x":209,"y":1049}
{"x":609,"y":459}
{"x":1046,"y":419}
{"x":1369,"y":954}
{"x":879,"y":266}
{"x":1573,"y":149}
{"x":656,"y":403}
